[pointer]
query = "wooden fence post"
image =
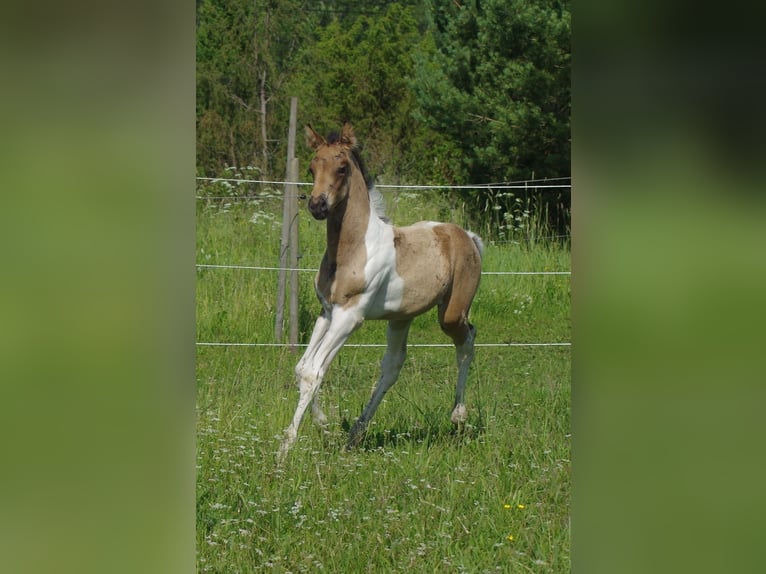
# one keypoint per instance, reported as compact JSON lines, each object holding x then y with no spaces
{"x":289,"y":215}
{"x":294,"y":257}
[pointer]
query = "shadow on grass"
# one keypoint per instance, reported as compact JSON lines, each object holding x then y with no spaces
{"x":431,"y":435}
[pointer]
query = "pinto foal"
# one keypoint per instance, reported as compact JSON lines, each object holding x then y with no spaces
{"x":373,"y":270}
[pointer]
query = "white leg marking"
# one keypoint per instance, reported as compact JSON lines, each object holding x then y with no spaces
{"x":330,"y":333}
{"x":464,"y":354}
{"x":317,"y":415}
{"x":391,"y":365}
{"x":320,"y":328}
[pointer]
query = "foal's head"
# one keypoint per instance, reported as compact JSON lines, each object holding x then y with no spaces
{"x":331,"y":169}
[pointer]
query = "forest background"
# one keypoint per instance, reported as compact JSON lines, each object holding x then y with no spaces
{"x":439,"y":92}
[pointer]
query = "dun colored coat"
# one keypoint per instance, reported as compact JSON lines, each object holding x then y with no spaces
{"x":373,"y":270}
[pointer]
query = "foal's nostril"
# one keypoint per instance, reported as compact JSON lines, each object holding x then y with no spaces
{"x":318,"y":206}
{"x":318,"y":202}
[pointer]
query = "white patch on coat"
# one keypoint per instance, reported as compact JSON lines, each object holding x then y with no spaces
{"x":428,"y":224}
{"x":377,"y":204}
{"x":385,"y":287}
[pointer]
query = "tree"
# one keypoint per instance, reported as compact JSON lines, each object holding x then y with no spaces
{"x":498,"y":82}
{"x":440,"y":92}
{"x":245,"y":50}
{"x":359,"y":70}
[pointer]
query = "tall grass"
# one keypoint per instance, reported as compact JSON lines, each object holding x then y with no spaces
{"x":416,"y":496}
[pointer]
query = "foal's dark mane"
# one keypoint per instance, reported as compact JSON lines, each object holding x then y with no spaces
{"x":376,"y":200}
{"x":356,"y":156}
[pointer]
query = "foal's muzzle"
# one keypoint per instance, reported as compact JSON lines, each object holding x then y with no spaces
{"x":318,"y":207}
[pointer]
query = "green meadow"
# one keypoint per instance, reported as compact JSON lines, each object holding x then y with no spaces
{"x":416,"y":496}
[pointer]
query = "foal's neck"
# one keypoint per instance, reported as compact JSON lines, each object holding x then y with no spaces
{"x":347,"y":223}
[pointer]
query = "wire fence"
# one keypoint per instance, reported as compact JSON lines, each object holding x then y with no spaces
{"x":314,"y":270}
{"x":377,"y":345}
{"x":526,"y":185}
{"x":265,"y":196}
{"x":383,"y":345}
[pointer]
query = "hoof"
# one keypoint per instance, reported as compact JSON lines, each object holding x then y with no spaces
{"x":282,"y":455}
{"x":459,"y":414}
{"x":287,"y":442}
{"x":356,"y":435}
{"x":320,"y":420}
{"x":352,"y":444}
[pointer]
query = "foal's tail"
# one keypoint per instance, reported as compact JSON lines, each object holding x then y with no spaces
{"x":477,"y":241}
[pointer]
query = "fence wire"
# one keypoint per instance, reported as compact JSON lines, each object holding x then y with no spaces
{"x":527,"y":185}
{"x":314,"y":270}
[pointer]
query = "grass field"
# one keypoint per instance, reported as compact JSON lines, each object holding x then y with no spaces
{"x":416,"y":496}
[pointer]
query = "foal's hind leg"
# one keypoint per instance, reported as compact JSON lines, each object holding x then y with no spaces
{"x":464,"y":353}
{"x":391,"y":365}
{"x":454,"y":322}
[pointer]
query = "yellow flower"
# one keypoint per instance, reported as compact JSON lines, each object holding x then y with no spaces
{"x":510,"y":537}
{"x":506,"y":506}
{"x":520,"y":506}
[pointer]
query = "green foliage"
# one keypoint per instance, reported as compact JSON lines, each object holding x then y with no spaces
{"x":245,"y":51}
{"x":498,"y":83}
{"x":441,"y":93}
{"x":360,"y":71}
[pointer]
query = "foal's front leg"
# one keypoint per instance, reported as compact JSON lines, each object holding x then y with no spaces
{"x":331,"y":331}
{"x":320,"y":328}
{"x":396,"y":351}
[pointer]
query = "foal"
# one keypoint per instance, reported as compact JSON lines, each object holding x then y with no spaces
{"x":373,"y":270}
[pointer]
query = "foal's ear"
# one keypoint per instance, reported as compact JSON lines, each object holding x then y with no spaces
{"x":347,"y":135}
{"x":313,"y":139}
